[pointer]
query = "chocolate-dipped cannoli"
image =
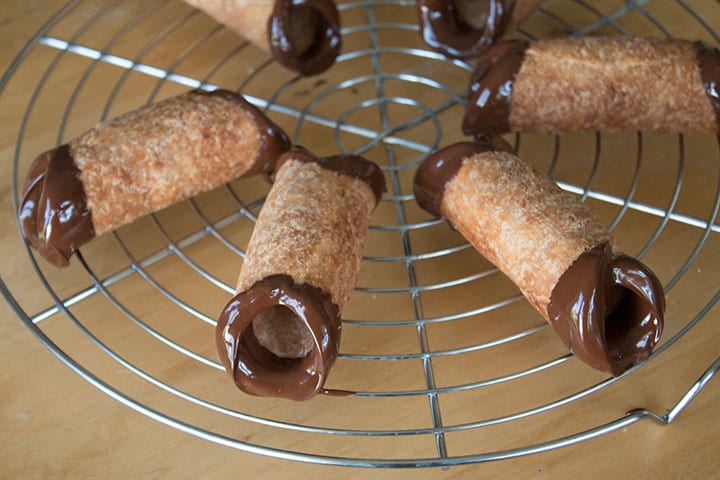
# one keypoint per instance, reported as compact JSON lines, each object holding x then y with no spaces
{"x":280,"y":334}
{"x":141,"y":162}
{"x":606,"y":307}
{"x":302,"y":35}
{"x":603,"y":83}
{"x":466,"y":28}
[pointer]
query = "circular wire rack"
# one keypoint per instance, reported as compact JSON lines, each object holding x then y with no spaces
{"x":435,"y":339}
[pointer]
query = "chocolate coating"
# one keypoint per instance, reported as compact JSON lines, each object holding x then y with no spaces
{"x":444,"y":28}
{"x":708,"y":60}
{"x":256,"y":370}
{"x":491,"y":86}
{"x":53,"y":209}
{"x":351,"y":165}
{"x":608,"y":310}
{"x":437,"y":171}
{"x":321,"y":17}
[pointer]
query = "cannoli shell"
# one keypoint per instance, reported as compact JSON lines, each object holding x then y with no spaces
{"x":611,"y":84}
{"x":597,"y":83}
{"x":607,"y":307}
{"x":302,"y":36}
{"x":280,"y":334}
{"x":522,"y":222}
{"x":142,"y":162}
{"x":248,"y":18}
{"x":312,"y":227}
{"x":158,"y":155}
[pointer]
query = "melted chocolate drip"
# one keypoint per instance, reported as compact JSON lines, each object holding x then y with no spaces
{"x":351,"y":165}
{"x":708,"y":60}
{"x":53,"y":209}
{"x":491,"y":86}
{"x":443,"y":27}
{"x":608,"y":310}
{"x":435,"y":173}
{"x":255,"y":369}
{"x":318,"y":15}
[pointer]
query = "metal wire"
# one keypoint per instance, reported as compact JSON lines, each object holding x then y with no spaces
{"x":387,"y":138}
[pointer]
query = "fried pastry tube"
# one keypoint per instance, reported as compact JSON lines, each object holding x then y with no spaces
{"x":466,"y":28}
{"x":607,"y":307}
{"x":279,"y":335}
{"x":302,"y":35}
{"x":603,"y":83}
{"x":141,"y":162}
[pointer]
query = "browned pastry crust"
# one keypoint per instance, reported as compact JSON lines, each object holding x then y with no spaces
{"x":142,"y":162}
{"x":523,"y":223}
{"x":603,"y":83}
{"x":280,"y":334}
{"x":311,"y":228}
{"x":607,"y":307}
{"x":611,"y":84}
{"x":158,"y":155}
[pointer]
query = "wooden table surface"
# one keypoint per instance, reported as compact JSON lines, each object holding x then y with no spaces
{"x":54,"y":424}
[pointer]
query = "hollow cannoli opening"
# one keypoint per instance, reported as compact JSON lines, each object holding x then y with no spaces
{"x":608,"y":309}
{"x":305,"y":30}
{"x":630,"y":329}
{"x":462,"y":28}
{"x":280,"y":331}
{"x":473,"y":13}
{"x":279,"y":338}
{"x":305,"y":35}
{"x":261,"y":355}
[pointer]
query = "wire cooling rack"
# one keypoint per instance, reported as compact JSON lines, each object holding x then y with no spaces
{"x":436,"y":342}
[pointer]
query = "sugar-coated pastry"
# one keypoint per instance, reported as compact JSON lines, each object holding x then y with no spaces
{"x":279,"y":335}
{"x":302,"y":35}
{"x":601,"y":83}
{"x":141,"y":162}
{"x":607,"y":307}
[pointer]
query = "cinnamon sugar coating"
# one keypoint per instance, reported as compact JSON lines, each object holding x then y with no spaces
{"x":163,"y":153}
{"x":521,"y":221}
{"x":611,"y":84}
{"x":312,"y":228}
